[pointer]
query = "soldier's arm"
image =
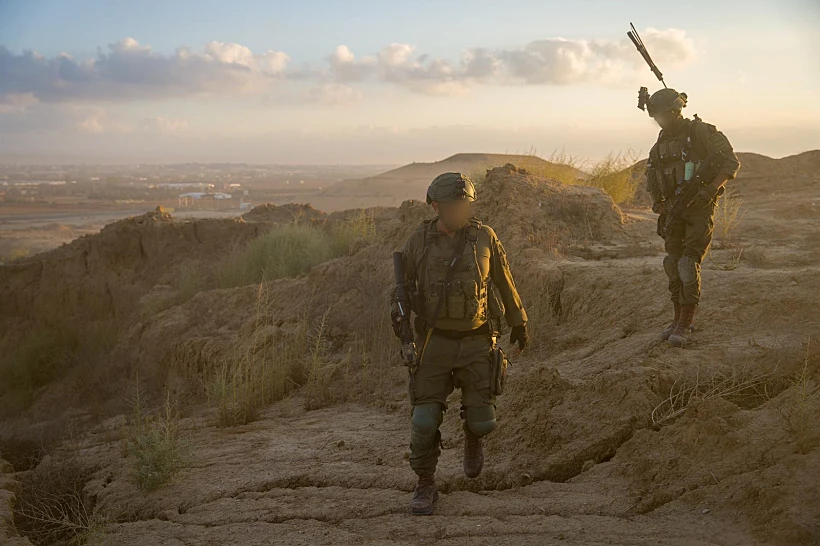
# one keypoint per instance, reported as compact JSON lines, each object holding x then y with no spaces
{"x":502,"y":279}
{"x":653,"y":186}
{"x":715,"y":140}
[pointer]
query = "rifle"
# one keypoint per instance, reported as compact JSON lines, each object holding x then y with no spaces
{"x":408,"y":345}
{"x":643,"y":92}
{"x":687,"y":192}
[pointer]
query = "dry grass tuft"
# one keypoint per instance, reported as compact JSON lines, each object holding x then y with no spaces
{"x":51,"y":507}
{"x":728,"y":215}
{"x":737,"y":386}
{"x":801,"y":411}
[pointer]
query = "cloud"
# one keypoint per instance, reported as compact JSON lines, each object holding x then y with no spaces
{"x":553,"y":61}
{"x":128,"y":70}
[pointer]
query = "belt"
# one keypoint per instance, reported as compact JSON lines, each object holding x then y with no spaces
{"x":459,"y":334}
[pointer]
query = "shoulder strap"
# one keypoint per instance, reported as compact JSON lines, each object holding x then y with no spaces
{"x":472,"y":230}
{"x":694,"y":142}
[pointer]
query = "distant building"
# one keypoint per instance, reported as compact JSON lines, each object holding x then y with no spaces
{"x":180,"y":185}
{"x":209,"y":201}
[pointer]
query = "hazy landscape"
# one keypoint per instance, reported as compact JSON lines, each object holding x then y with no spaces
{"x":199,"y":203}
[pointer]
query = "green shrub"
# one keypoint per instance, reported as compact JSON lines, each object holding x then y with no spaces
{"x":282,"y":252}
{"x":358,"y":225}
{"x":158,"y":448}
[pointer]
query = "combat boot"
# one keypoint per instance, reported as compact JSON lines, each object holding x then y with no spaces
{"x":684,"y":328}
{"x":424,"y":496}
{"x":473,"y":456}
{"x":671,"y":328}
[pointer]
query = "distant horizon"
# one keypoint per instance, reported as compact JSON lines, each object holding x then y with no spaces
{"x":6,"y":163}
{"x":364,"y":83}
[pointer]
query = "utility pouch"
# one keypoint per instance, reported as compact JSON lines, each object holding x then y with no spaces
{"x":455,"y":301}
{"x":498,"y":370}
{"x":661,"y":222}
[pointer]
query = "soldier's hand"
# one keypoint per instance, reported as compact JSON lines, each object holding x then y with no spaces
{"x":705,"y":196}
{"x":519,"y":335}
{"x":659,"y":207}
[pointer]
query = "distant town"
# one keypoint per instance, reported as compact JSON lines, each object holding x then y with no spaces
{"x":189,"y":186}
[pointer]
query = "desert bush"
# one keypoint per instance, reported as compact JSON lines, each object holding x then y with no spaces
{"x":728,"y":215}
{"x":316,"y":385}
{"x":282,"y":252}
{"x":263,"y":369}
{"x":51,"y":507}
{"x":756,"y":256}
{"x":158,"y":448}
{"x":358,"y":225}
{"x":736,"y":254}
{"x":615,"y":175}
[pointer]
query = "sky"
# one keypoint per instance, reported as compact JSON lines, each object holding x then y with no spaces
{"x":366,"y":81}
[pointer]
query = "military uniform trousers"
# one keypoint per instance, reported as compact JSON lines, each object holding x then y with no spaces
{"x":687,"y":243}
{"x":447,"y":364}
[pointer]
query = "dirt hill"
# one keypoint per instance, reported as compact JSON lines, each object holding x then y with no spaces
{"x":606,"y":435}
{"x":411,"y":181}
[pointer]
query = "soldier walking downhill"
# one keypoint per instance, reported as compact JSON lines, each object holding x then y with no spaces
{"x":457,"y":309}
{"x":682,"y":147}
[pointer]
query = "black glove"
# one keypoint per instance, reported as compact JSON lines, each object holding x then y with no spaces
{"x":659,"y":207}
{"x":705,"y":196}
{"x":519,"y":335}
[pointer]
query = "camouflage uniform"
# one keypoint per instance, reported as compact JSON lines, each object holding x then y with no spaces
{"x":690,"y":235}
{"x":457,"y":353}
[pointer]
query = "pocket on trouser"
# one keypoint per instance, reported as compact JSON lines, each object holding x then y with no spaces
{"x":498,"y":371}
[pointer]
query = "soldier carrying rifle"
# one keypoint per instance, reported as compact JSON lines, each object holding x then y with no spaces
{"x":686,"y":172}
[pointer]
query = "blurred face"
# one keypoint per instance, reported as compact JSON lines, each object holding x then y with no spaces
{"x":454,"y":214}
{"x":667,"y":119}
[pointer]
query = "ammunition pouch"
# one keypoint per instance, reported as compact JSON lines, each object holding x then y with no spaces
{"x":461,"y":299}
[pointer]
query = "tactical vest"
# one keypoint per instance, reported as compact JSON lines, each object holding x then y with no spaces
{"x":667,"y":168}
{"x":465,"y":303}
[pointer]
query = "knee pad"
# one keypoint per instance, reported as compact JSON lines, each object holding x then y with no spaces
{"x":688,"y":269}
{"x":479,"y":421}
{"x":427,"y":418}
{"x":670,"y":266}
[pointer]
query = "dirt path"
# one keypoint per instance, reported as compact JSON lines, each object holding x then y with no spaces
{"x":338,"y":476}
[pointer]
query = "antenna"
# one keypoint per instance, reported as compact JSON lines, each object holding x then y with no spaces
{"x":636,"y":39}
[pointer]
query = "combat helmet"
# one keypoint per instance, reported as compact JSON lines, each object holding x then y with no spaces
{"x":451,"y":187}
{"x":664,"y":100}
